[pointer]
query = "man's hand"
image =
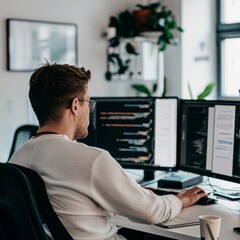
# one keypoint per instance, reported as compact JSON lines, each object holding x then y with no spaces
{"x":190,"y":196}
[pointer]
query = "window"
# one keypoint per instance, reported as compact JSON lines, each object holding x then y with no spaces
{"x":228,"y":39}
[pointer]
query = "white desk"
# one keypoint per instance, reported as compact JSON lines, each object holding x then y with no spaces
{"x":230,"y":219}
{"x":228,"y":210}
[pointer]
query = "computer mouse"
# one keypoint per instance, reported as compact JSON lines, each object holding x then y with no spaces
{"x":206,"y":201}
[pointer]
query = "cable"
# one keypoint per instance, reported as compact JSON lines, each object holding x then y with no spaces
{"x":224,"y":189}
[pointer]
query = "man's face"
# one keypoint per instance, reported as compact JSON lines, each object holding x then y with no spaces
{"x":81,"y":130}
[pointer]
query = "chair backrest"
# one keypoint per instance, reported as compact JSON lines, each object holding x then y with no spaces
{"x":17,"y":207}
{"x":55,"y":226}
{"x":21,"y":135}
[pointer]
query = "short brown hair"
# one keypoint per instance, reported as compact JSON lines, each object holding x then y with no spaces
{"x":52,"y":88}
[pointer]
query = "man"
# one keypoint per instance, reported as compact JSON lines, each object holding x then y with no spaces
{"x":85,"y":184}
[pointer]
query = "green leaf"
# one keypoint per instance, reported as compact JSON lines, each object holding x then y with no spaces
{"x":206,"y":91}
{"x":113,"y":58}
{"x":172,"y":23}
{"x":168,"y":33}
{"x":122,"y":69}
{"x":164,"y":87}
{"x":180,"y":29}
{"x":163,"y":46}
{"x":108,"y":76}
{"x":154,"y":89}
{"x":114,"y":42}
{"x":130,"y":48}
{"x":142,"y":88}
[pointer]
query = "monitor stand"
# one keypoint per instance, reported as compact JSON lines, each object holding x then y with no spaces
{"x":180,"y":180}
{"x":149,"y":175}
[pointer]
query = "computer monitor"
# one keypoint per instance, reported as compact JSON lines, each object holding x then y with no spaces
{"x":209,"y":138}
{"x":139,"y":132}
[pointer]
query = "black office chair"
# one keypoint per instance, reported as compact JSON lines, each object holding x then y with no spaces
{"x":19,"y":215}
{"x":21,"y":135}
{"x":55,"y":226}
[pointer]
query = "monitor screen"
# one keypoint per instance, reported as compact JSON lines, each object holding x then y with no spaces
{"x":139,"y":132}
{"x":209,"y":138}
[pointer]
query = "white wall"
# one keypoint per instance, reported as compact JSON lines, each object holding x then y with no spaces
{"x":188,"y":62}
{"x":172,"y":60}
{"x":198,"y":46}
{"x":92,"y":18}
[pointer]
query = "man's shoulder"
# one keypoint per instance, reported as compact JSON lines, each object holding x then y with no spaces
{"x":90,"y":151}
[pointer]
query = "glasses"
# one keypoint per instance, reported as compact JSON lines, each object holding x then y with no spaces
{"x":91,"y":104}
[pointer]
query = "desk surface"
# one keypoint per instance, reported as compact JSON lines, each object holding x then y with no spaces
{"x":230,"y":218}
{"x":228,"y":210}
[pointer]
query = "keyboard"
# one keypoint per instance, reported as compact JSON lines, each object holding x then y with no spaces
{"x":202,"y":201}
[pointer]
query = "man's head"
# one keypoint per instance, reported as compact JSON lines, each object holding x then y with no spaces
{"x":53,"y":87}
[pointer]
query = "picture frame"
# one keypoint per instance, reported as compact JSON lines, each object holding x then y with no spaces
{"x":30,"y":43}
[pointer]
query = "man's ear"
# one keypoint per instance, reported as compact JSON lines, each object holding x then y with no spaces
{"x":74,"y":106}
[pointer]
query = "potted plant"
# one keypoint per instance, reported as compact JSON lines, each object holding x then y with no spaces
{"x":160,"y":19}
{"x":143,"y":15}
{"x":155,"y":17}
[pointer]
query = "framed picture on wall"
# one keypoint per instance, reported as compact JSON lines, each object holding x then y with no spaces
{"x":30,"y":43}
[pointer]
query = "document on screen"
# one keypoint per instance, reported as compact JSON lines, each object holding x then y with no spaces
{"x":224,"y":127}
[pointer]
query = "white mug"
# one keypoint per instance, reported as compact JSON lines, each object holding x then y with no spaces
{"x":210,"y":227}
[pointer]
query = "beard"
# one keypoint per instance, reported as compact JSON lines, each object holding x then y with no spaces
{"x":81,"y":131}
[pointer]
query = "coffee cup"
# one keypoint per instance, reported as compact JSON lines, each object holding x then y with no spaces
{"x":210,"y":227}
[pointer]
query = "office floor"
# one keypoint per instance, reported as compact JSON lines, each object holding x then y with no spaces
{"x":131,"y":234}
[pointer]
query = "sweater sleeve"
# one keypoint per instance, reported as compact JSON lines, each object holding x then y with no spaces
{"x":116,"y":192}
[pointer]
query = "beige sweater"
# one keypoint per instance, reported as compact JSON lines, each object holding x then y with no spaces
{"x":86,"y":186}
